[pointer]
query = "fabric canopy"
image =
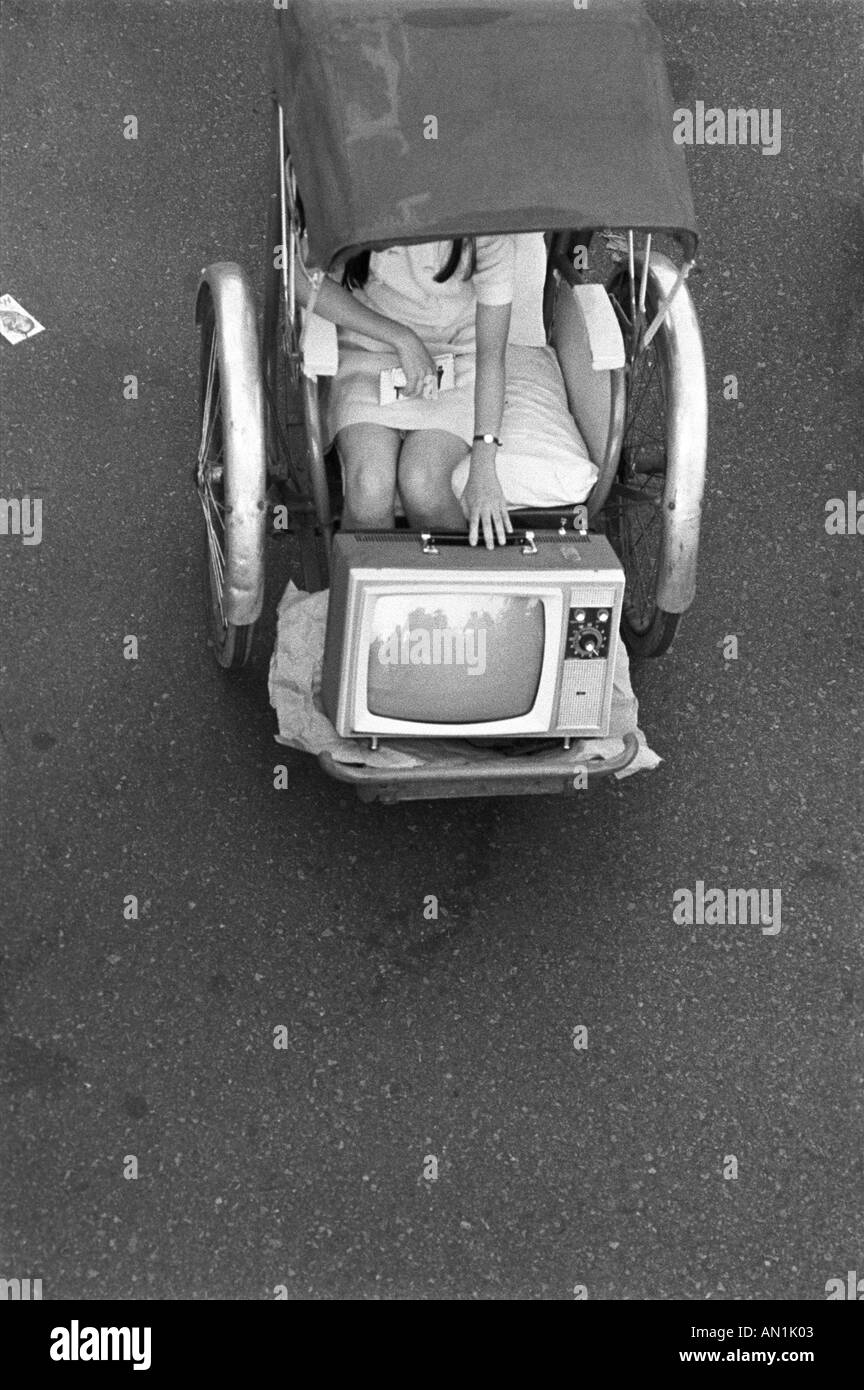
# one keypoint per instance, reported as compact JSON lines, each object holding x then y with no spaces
{"x":418,"y":120}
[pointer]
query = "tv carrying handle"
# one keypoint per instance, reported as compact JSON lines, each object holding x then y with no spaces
{"x":432,"y":540}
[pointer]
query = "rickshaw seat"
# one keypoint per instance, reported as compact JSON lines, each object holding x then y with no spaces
{"x":589,"y":391}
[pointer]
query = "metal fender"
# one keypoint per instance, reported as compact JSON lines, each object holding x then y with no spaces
{"x":245,"y":441}
{"x":687,"y":436}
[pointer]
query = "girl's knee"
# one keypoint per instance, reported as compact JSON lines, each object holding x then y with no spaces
{"x":369,"y":481}
{"x":369,"y":458}
{"x":415,"y":484}
{"x":428,"y":497}
{"x":369,"y":494}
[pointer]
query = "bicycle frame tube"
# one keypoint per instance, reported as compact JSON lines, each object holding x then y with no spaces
{"x":284,"y":233}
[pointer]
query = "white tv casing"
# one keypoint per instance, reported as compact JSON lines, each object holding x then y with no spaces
{"x":569,"y":573}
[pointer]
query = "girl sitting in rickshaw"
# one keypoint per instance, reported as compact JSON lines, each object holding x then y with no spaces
{"x":402,"y":307}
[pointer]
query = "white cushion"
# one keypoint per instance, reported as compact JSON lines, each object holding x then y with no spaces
{"x":543,"y":461}
{"x":319,"y":346}
{"x":529,"y":277}
{"x":605,"y":340}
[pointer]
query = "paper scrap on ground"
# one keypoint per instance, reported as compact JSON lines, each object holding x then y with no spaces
{"x":295,"y":694}
{"x":15,"y":323}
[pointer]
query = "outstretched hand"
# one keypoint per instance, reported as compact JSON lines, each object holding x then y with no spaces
{"x":483,"y":505}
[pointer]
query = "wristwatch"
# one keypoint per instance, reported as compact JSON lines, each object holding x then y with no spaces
{"x":486,"y":439}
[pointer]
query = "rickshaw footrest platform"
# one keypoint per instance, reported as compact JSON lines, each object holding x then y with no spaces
{"x":498,"y":776}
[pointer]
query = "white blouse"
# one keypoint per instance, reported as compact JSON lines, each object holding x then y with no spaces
{"x":401,"y":286}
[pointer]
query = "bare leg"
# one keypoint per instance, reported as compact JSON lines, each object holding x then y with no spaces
{"x":426,"y":466}
{"x":369,"y":454}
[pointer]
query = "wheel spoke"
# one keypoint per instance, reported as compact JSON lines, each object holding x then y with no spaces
{"x":211,"y":532}
{"x":213,"y":539}
{"x":211,"y":496}
{"x":217,"y":567}
{"x":645,"y":378}
{"x":642,"y":541}
{"x":634,"y":546}
{"x":212,"y":405}
{"x":210,"y":481}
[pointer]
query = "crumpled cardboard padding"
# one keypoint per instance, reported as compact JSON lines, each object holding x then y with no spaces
{"x":295,"y":694}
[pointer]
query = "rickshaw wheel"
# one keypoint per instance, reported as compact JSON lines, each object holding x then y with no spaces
{"x":634,"y":509}
{"x":231,"y":642}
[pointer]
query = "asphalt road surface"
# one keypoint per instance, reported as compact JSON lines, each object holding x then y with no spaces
{"x":407,"y":1038}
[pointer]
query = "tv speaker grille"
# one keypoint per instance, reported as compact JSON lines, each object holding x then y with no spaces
{"x":592,"y":596}
{"x":386,"y":537}
{"x":583,"y":688}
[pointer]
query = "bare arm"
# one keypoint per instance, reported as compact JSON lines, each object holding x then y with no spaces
{"x":338,"y":305}
{"x":483,"y":500}
{"x":493,"y":325}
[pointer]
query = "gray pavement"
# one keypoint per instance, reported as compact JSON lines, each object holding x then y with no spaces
{"x":304,"y":908}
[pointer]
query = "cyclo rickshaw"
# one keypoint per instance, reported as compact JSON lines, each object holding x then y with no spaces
{"x":548,"y":118}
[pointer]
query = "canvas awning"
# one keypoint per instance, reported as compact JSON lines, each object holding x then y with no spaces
{"x":417,"y":120}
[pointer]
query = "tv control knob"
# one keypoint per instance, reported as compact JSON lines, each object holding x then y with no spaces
{"x":580,"y":616}
{"x":590,"y":641}
{"x":603,"y":616}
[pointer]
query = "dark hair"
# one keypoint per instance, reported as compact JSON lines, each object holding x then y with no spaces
{"x":356,"y":271}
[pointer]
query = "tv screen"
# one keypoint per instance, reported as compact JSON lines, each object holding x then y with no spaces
{"x":445,"y":658}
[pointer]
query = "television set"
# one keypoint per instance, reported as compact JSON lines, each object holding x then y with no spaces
{"x":433,"y":638}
